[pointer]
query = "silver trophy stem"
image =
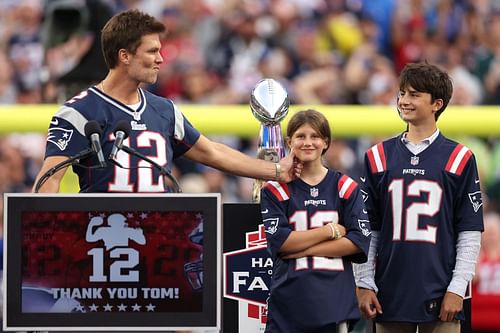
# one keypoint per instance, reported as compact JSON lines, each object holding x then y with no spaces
{"x":271,"y":141}
{"x":269,"y":104}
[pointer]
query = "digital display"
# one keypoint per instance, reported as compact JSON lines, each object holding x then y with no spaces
{"x":112,"y":261}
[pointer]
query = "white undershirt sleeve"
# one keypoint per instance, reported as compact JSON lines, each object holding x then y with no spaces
{"x":468,"y":246}
{"x":364,"y":274}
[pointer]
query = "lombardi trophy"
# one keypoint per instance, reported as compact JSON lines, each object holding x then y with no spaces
{"x":269,"y":104}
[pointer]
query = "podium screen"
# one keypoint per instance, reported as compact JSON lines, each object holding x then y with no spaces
{"x":122,"y":262}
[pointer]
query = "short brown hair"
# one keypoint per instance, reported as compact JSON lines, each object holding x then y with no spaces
{"x":124,"y":31}
{"x":427,"y":78}
{"x":316,"y":120}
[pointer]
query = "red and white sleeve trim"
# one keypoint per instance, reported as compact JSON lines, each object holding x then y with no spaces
{"x":346,"y":186}
{"x":279,"y":190}
{"x":458,"y":159}
{"x":376,"y":157}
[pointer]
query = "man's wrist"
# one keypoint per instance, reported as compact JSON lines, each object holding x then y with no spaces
{"x":277,"y":169}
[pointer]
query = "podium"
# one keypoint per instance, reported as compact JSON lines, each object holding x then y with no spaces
{"x":112,"y":262}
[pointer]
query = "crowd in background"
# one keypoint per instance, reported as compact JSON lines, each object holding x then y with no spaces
{"x":322,"y":51}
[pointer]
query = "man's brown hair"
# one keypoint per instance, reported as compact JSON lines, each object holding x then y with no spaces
{"x":124,"y":31}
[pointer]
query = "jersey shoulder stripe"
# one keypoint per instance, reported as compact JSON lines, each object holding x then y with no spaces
{"x":346,"y":186}
{"x":376,"y":157}
{"x":279,"y":190}
{"x":458,"y":159}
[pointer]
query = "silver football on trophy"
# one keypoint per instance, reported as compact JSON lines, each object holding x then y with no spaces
{"x":269,"y":101}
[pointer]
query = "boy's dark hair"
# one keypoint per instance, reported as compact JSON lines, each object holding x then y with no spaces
{"x":427,"y":78}
{"x":124,"y":31}
{"x":316,"y":120}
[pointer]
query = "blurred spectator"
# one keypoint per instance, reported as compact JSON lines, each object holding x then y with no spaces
{"x":467,"y":89}
{"x":381,"y":12}
{"x":408,"y":33}
{"x":12,"y":168}
{"x":493,"y":189}
{"x":486,"y":284}
{"x":71,"y":37}
{"x":7,"y":89}
{"x":487,"y":56}
{"x":217,"y":182}
{"x":341,"y":157}
{"x":25,"y":51}
{"x":193,"y":183}
{"x":339,"y":30}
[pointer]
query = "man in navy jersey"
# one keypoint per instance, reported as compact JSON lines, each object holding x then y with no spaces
{"x":424,"y":203}
{"x":131,"y":47}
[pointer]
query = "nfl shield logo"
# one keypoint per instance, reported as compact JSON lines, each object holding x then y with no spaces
{"x":414,"y":160}
{"x":314,"y":192}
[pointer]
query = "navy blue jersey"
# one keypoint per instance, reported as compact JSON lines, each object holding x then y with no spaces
{"x":311,"y":292}
{"x":419,"y":204}
{"x":159,"y":131}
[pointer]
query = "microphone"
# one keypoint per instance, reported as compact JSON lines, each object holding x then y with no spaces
{"x":93,"y":132}
{"x":122,"y":131}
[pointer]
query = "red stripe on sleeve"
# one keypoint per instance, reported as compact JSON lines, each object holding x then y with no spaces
{"x":452,"y":158}
{"x":381,"y":153}
{"x":464,"y":161}
{"x":274,"y":191}
{"x":285,"y":188}
{"x":341,"y":182}
{"x":371,"y":159}
{"x":350,"y":189}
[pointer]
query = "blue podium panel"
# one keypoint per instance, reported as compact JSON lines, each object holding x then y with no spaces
{"x":247,"y":269}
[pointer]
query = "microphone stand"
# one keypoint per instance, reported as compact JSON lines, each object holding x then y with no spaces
{"x":164,"y":172}
{"x":70,"y":161}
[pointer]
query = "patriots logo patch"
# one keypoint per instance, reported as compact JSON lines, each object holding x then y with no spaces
{"x":363,"y":225}
{"x":476,"y":200}
{"x":60,"y":137}
{"x":271,"y":225}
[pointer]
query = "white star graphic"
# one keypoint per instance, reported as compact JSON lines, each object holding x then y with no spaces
{"x":144,"y":215}
{"x":150,"y":307}
{"x":108,"y":307}
{"x":93,"y":308}
{"x":122,"y":307}
{"x":136,"y":307}
{"x":80,"y":308}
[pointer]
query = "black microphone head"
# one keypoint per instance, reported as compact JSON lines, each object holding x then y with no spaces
{"x":92,"y":127}
{"x":124,"y":126}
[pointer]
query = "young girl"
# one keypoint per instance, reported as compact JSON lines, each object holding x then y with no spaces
{"x":316,"y":226}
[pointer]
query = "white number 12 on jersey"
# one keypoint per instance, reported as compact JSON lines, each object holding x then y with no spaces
{"x":429,"y":208}
{"x":319,"y":219}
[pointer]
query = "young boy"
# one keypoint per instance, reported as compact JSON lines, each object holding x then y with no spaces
{"x":424,"y":203}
